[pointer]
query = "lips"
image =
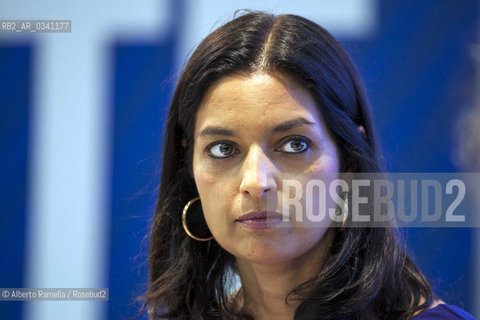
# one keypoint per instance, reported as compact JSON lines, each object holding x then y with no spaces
{"x":260,"y":220}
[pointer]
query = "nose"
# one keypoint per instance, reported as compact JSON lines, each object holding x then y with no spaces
{"x":257,"y":174}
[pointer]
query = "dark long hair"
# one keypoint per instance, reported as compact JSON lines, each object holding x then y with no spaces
{"x":366,"y":274}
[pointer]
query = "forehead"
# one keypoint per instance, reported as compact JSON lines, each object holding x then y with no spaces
{"x":255,"y":99}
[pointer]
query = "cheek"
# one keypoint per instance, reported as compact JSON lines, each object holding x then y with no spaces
{"x":313,"y":211}
{"x":214,"y":198}
{"x":325,"y":169}
{"x":330,"y":163}
{"x":202,"y":178}
{"x":206,"y":186}
{"x":211,"y":185}
{"x":327,"y":162}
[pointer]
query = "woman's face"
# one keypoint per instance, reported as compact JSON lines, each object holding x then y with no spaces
{"x":252,"y":134}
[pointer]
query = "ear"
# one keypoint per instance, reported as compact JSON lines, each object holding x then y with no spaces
{"x":361,"y":129}
{"x":351,"y":166}
{"x":363,"y":132}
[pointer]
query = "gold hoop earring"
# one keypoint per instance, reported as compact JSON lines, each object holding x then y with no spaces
{"x":345,"y":210}
{"x":184,"y":221}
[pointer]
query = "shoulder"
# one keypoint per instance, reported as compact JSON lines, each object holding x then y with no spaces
{"x":443,"y":312}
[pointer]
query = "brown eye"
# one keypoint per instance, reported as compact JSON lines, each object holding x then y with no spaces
{"x":295,"y":145}
{"x":221,"y":150}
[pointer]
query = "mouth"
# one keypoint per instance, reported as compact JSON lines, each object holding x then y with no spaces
{"x":260,"y":220}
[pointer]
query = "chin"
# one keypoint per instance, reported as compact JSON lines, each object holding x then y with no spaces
{"x":267,"y":251}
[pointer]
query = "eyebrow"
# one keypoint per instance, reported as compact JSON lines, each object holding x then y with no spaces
{"x":283,"y":127}
{"x":291,"y":124}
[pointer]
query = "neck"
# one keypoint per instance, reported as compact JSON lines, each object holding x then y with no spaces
{"x":266,"y":286}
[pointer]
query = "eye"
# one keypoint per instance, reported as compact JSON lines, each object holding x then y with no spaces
{"x":220,"y":150}
{"x":295,"y":145}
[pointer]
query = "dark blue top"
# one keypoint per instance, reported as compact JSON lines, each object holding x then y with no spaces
{"x":444,"y":312}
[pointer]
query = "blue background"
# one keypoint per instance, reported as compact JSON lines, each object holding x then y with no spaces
{"x":419,"y":74}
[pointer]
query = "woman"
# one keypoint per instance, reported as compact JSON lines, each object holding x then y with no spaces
{"x":263,"y":100}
